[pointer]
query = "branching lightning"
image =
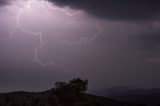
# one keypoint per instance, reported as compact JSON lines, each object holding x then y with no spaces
{"x":18,"y":26}
{"x":99,"y":31}
{"x":85,"y":40}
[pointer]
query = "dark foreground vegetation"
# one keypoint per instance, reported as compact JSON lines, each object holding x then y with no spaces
{"x":63,"y":94}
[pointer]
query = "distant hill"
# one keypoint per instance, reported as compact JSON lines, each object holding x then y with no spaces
{"x":114,"y":91}
{"x":151,"y":97}
{"x":50,"y":99}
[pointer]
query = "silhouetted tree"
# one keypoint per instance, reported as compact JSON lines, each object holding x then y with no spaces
{"x":79,"y":86}
{"x":71,"y":91}
{"x":60,"y":85}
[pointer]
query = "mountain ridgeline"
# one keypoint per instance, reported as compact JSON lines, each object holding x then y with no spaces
{"x":150,"y":97}
{"x":72,"y":93}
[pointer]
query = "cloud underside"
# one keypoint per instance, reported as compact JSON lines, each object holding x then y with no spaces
{"x":129,"y":10}
{"x":4,"y":2}
{"x":124,"y":10}
{"x":139,"y":10}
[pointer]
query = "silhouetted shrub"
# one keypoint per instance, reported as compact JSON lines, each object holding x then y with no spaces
{"x":71,"y":91}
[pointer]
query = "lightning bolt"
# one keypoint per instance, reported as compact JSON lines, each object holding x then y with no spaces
{"x":39,"y":34}
{"x":18,"y":26}
{"x":99,"y":31}
{"x":85,"y":40}
{"x":62,"y":10}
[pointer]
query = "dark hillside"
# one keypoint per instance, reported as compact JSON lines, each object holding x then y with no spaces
{"x":63,"y":94}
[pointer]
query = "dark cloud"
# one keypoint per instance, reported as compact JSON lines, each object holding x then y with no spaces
{"x":116,"y":9}
{"x":4,"y":2}
{"x":108,"y":61}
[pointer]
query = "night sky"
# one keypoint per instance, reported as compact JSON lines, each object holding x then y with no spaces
{"x":109,"y":42}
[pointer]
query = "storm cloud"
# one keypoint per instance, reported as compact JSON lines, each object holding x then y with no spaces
{"x":4,"y":2}
{"x":116,"y":57}
{"x":139,"y":10}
